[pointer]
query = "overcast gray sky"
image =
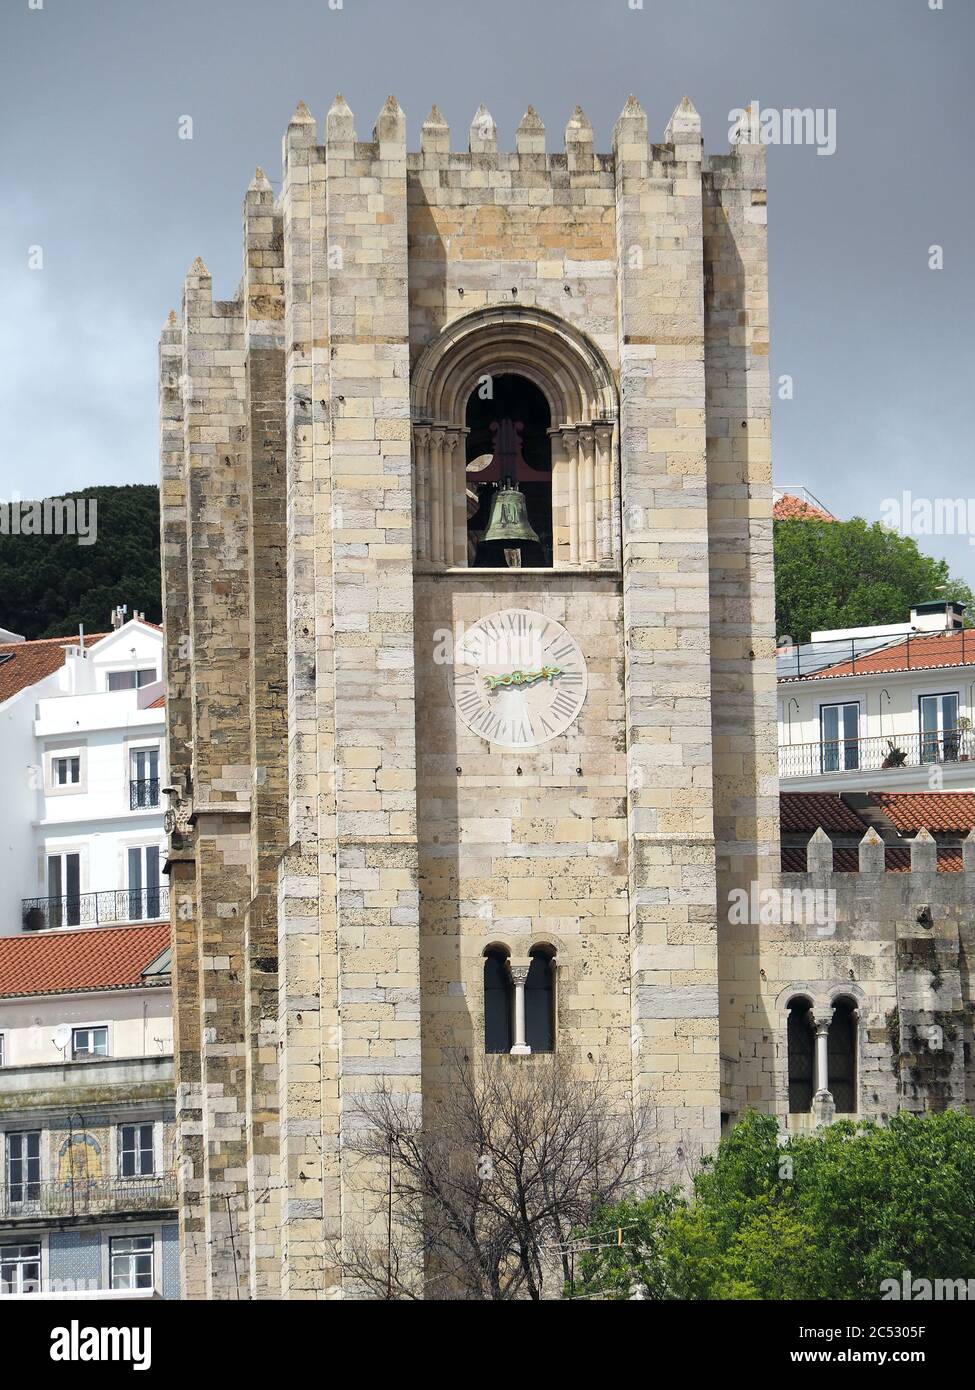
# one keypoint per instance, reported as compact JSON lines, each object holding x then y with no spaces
{"x":91,"y":96}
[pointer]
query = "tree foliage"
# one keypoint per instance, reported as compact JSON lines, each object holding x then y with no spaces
{"x":49,"y":584}
{"x":836,"y":574}
{"x":826,"y":1215}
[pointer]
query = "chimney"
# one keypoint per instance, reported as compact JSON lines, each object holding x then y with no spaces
{"x":118,"y":616}
{"x":940,"y":615}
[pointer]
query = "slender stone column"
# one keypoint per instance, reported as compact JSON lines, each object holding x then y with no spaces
{"x":823,"y":1106}
{"x":436,"y":496}
{"x":455,"y":498}
{"x":822,"y":1063}
{"x":560,"y":498}
{"x":519,"y":974}
{"x":571,"y":447}
{"x":603,"y":435}
{"x":421,"y":507}
{"x":587,"y":495}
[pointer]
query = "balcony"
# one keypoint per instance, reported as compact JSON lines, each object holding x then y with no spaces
{"x":39,"y":1201}
{"x":144,"y":794}
{"x":876,"y":754}
{"x":105,"y":909}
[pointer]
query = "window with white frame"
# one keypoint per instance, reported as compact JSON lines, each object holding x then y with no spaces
{"x":136,"y":1151}
{"x":938,"y":721}
{"x":840,"y":726}
{"x":131,"y":680}
{"x":3,"y":1051}
{"x":20,"y":1268}
{"x":66,"y":771}
{"x":143,"y":778}
{"x":23,"y":1166}
{"x":89,"y":1042}
{"x":64,"y":889}
{"x":144,"y":882}
{"x":131,"y":1259}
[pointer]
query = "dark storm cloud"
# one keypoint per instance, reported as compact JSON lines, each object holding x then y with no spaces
{"x":878,"y":344}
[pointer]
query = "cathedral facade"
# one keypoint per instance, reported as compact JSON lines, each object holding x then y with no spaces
{"x":467,"y":536}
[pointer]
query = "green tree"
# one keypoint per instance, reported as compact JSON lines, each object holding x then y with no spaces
{"x":49,"y":584}
{"x":833,"y":574}
{"x":826,"y":1215}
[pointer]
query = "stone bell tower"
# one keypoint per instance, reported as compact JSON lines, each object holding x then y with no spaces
{"x":357,"y":834}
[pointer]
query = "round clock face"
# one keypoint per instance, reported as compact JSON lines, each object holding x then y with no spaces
{"x":519,"y":679}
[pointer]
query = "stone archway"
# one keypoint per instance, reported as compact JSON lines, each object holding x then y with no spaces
{"x":576,"y":381}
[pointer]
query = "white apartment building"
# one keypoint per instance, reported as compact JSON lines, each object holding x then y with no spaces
{"x":82,"y":724}
{"x":888,"y":708}
{"x":87,"y":1121}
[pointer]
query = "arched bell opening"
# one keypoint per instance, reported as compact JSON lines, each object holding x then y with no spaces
{"x":515,"y":364}
{"x":508,"y":474}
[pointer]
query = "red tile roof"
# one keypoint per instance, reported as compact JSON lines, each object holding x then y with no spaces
{"x":814,"y":810}
{"x":790,"y":508}
{"x":934,"y":811}
{"x":158,"y":703}
{"x":25,"y":663}
{"x":58,"y":962}
{"x":922,"y":651}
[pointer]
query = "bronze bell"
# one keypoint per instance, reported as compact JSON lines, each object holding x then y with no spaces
{"x":508,"y":522}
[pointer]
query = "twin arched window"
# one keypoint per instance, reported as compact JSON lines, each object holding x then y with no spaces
{"x":519,"y":1001}
{"x":822,"y":1055}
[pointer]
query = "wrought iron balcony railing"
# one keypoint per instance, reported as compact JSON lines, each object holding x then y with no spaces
{"x":875,"y":754}
{"x":93,"y":1197}
{"x":144,"y":794}
{"x":97,"y":909}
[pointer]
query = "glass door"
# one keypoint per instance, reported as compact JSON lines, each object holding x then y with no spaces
{"x":840,"y":726}
{"x":144,"y":779}
{"x":143,"y":889}
{"x":64,"y":890}
{"x":939,"y":728}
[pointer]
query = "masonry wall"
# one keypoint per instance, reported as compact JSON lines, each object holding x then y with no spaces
{"x":524,"y":846}
{"x":344,"y":853}
{"x":899,"y":944}
{"x":741,"y":590}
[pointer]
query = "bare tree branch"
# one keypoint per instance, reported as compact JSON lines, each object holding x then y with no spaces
{"x":481,"y":1201}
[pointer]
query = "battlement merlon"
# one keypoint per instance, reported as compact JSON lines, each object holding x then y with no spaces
{"x":743,"y":167}
{"x":871,"y":857}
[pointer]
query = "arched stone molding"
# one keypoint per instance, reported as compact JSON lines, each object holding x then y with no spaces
{"x":577,"y":383}
{"x":821,"y":998}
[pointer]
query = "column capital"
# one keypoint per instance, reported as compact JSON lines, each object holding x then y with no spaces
{"x":820,"y":1021}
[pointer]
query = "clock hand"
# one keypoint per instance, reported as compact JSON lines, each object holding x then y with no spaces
{"x":523,"y":677}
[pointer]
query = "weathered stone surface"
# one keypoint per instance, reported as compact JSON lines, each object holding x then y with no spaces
{"x":354,"y":847}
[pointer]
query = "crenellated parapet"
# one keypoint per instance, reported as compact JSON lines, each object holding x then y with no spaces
{"x":895,"y":931}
